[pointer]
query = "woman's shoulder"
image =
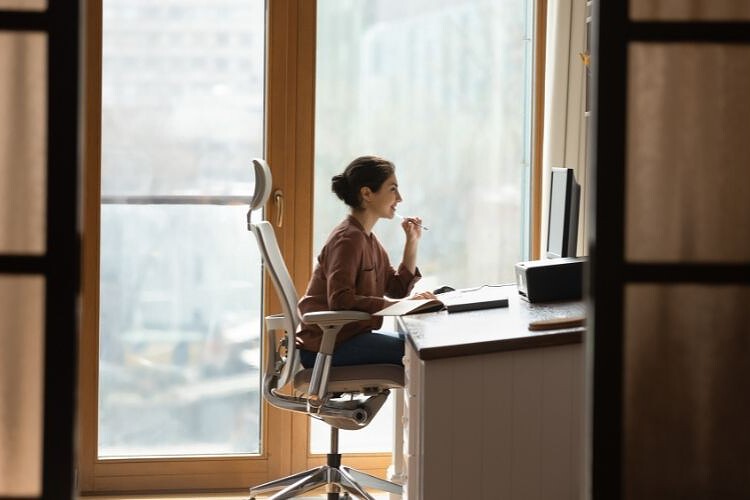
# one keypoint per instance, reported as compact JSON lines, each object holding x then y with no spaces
{"x":348,"y":232}
{"x":351,"y":228}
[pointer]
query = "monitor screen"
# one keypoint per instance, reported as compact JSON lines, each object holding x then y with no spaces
{"x":562,"y":221}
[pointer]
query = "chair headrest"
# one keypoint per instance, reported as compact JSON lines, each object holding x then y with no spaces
{"x":263,"y":184}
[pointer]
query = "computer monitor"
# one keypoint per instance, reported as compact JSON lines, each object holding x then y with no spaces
{"x":562,"y":221}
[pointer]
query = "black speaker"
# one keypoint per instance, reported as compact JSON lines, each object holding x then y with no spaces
{"x":551,"y":279}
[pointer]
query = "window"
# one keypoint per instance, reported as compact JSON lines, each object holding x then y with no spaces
{"x":443,"y":89}
{"x":179,"y":314}
{"x":177,"y":305}
{"x":179,"y":296}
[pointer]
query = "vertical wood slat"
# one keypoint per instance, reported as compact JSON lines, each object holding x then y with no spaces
{"x":290,"y":110}
{"x":497,"y":449}
{"x":537,"y":135}
{"x":526,"y":424}
{"x":561,"y":437}
{"x":436,"y":437}
{"x":278,"y":434}
{"x":88,"y":386}
{"x":63,"y":249}
{"x":607,"y":164}
{"x":468,"y":438}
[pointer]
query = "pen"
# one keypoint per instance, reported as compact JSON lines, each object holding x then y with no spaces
{"x":413,"y":222}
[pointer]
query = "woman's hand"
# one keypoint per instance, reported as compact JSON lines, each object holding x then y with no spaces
{"x":423,"y":295}
{"x":412,"y":226}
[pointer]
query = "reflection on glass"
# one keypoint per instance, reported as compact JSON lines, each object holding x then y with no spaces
{"x":683,"y":201}
{"x":695,"y":10}
{"x":23,"y":4}
{"x":180,"y":308}
{"x":685,"y":367}
{"x":23,"y":142}
{"x":442,"y":89}
{"x":21,"y":385}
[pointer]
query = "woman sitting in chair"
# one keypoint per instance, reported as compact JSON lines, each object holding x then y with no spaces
{"x":353,"y":270}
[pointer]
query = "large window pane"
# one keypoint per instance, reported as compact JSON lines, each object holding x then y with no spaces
{"x":180,"y":307}
{"x":182,"y":96}
{"x":442,"y":89}
{"x":179,"y":356}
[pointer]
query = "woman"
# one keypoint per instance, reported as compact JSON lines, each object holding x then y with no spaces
{"x":353,"y":270}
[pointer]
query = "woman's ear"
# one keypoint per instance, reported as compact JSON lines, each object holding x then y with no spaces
{"x":365,"y":193}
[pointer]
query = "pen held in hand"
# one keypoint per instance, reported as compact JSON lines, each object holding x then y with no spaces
{"x":412,"y":221}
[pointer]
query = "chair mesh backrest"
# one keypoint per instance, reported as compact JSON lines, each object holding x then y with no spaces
{"x":284,"y":286}
{"x":273,"y":262}
{"x":276,"y":267}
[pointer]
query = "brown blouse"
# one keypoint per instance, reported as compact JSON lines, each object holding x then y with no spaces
{"x":353,"y":273}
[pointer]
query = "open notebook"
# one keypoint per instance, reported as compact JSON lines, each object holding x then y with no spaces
{"x":452,"y":302}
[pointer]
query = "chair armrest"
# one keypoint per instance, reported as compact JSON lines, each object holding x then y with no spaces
{"x":275,"y":321}
{"x":321,"y":318}
{"x":330,"y":322}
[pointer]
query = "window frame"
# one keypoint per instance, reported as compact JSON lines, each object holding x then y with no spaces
{"x":290,"y":26}
{"x":289,"y":148}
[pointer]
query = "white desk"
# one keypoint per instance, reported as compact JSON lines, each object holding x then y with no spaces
{"x":493,"y":410}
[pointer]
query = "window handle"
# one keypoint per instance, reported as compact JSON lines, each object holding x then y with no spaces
{"x":278,"y":199}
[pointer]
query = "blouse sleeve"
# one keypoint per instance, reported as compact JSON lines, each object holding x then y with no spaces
{"x":401,"y":281}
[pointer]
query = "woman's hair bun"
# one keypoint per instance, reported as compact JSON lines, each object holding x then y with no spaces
{"x":340,"y":186}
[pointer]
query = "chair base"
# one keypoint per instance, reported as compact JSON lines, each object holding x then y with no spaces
{"x":336,"y":478}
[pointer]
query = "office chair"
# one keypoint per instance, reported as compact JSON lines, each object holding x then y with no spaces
{"x":345,"y":397}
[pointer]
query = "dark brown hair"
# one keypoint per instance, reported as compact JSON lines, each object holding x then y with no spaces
{"x":365,"y":171}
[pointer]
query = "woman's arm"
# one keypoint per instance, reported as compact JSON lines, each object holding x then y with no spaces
{"x":402,"y":280}
{"x":412,"y":227}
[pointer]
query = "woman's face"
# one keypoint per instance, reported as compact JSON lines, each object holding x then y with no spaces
{"x":382,"y":203}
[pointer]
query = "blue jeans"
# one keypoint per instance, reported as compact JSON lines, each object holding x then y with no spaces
{"x":363,"y":349}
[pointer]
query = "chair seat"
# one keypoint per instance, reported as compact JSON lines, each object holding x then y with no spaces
{"x":358,"y":378}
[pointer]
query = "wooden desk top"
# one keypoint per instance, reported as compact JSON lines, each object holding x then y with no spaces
{"x":443,"y":335}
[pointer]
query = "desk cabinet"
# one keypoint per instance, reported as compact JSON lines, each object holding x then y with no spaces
{"x":499,"y":425}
